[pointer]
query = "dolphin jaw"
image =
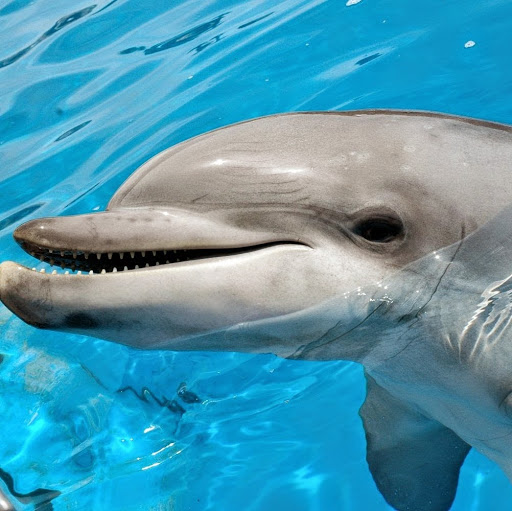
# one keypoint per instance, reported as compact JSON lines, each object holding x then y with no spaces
{"x":118,"y":241}
{"x":106,"y":262}
{"x":100,"y":304}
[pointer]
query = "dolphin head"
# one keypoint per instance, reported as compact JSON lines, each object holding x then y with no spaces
{"x":235,"y":239}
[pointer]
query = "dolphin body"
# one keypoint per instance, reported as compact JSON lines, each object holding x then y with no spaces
{"x":383,"y":237}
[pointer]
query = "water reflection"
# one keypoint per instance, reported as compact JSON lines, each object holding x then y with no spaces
{"x":59,"y":25}
{"x":260,"y":419}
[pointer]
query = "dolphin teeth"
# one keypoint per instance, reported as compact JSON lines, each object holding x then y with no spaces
{"x":54,"y":272}
{"x":114,"y":270}
{"x":79,"y":272}
{"x":109,"y":255}
{"x":157,"y":263}
{"x":33,"y":269}
{"x":165,"y":252}
{"x":98,"y":255}
{"x":66,"y":273}
{"x":147,"y":265}
{"x":91,"y":273}
{"x":167,"y":261}
{"x":154,"y":252}
{"x":125,"y":268}
{"x":143,"y":253}
{"x":121,"y":255}
{"x":41,"y":258}
{"x":86,"y":255}
{"x":42,"y":270}
{"x":50,"y":251}
{"x":132,"y":254}
{"x":136,"y":266}
{"x":74,"y":254}
{"x":174,"y":251}
{"x":52,"y":262}
{"x":103,"y":271}
{"x":62,"y":253}
{"x":62,"y":265}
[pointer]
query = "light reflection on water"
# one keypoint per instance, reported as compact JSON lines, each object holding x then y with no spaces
{"x":89,"y":92}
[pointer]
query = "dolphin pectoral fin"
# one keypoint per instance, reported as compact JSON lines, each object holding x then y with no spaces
{"x":415,"y":461}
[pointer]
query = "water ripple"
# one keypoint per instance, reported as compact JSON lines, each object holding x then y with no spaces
{"x":178,"y":40}
{"x":16,"y":217}
{"x":91,"y":92}
{"x":59,"y":25}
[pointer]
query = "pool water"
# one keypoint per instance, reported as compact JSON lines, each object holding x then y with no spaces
{"x":91,"y":91}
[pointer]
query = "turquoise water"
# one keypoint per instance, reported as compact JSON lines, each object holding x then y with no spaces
{"x":89,"y":92}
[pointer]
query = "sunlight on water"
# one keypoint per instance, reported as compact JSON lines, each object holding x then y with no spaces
{"x":91,"y":91}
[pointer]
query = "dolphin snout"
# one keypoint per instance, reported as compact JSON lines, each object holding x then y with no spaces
{"x":41,"y":231}
{"x":28,"y":298}
{"x":91,"y":232}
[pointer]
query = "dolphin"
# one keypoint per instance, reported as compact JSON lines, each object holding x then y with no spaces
{"x":382,"y":237}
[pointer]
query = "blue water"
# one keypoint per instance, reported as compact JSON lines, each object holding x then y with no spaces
{"x":88,"y":93}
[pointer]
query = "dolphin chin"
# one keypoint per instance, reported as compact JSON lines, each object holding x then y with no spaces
{"x":134,"y":308}
{"x":374,"y":236}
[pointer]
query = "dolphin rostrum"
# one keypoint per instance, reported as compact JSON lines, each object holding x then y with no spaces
{"x":383,"y":237}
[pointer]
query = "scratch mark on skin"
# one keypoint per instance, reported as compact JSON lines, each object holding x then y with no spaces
{"x":319,"y":344}
{"x":282,"y":192}
{"x":270,"y":183}
{"x":305,"y":348}
{"x":463,"y":235}
{"x":418,"y":313}
{"x":399,"y":338}
{"x":418,"y":318}
{"x":300,"y":199}
{"x":197,"y":199}
{"x":265,"y":166}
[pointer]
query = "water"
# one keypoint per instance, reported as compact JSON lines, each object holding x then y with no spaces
{"x":89,"y":92}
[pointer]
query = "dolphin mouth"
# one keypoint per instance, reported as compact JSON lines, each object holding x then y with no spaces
{"x":138,"y":239}
{"x":112,"y":262}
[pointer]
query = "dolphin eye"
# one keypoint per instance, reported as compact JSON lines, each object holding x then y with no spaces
{"x":379,"y":230}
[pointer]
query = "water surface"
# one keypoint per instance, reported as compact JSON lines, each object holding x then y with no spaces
{"x":89,"y":91}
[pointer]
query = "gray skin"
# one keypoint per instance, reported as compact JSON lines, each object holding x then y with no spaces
{"x":382,"y":237}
